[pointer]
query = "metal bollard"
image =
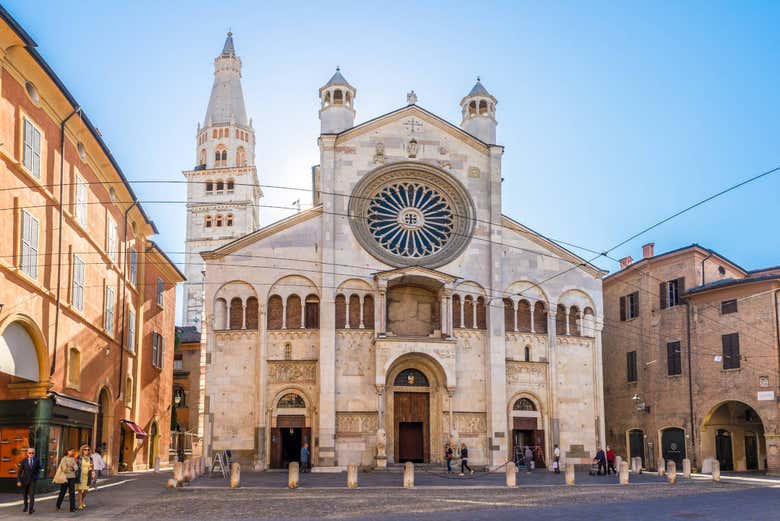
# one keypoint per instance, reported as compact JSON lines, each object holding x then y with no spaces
{"x":623,"y":473}
{"x":661,"y":466}
{"x":716,"y":471}
{"x":235,"y":475}
{"x":178,"y":472}
{"x":293,"y":473}
{"x":569,"y":473}
{"x":687,"y":468}
{"x":511,"y":474}
{"x":352,"y":476}
{"x":671,"y":472}
{"x":409,"y":475}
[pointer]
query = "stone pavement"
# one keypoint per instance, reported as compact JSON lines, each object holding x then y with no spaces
{"x":264,"y":496}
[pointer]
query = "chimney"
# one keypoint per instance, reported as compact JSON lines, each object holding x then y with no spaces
{"x":625,"y":262}
{"x":648,"y":250}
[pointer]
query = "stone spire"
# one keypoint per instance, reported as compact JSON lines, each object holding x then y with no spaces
{"x":226,"y":104}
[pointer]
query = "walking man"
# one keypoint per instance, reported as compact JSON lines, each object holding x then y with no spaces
{"x":464,"y":460}
{"x":305,"y":457}
{"x":26,"y":478}
{"x":557,"y":460}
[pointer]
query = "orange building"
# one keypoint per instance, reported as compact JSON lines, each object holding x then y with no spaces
{"x":87,"y":301}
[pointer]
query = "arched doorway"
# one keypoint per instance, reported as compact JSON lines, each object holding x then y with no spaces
{"x":415,"y":413}
{"x":526,"y":422}
{"x":154,"y":444}
{"x":673,"y":445}
{"x":291,"y":429}
{"x":103,"y":424}
{"x":733,"y":433}
{"x":636,"y":444}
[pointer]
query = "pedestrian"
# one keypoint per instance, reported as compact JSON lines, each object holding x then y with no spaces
{"x":601,"y":460}
{"x":529,"y":459}
{"x":464,"y":459}
{"x":99,"y":465}
{"x":557,"y":459}
{"x":610,"y":461}
{"x":448,"y":454}
{"x":26,"y":478}
{"x":65,"y":477}
{"x":304,"y":458}
{"x":85,"y":475}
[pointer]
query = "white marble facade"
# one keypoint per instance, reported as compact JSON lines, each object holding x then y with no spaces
{"x":403,"y":311}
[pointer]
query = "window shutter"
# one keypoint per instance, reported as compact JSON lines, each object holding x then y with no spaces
{"x":662,"y":292}
{"x":735,"y":349}
{"x":680,"y":287}
{"x":161,"y":352}
{"x":622,"y":308}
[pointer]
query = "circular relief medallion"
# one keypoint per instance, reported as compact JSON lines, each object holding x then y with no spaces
{"x":411,"y":214}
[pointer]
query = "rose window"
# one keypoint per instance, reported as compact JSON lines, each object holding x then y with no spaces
{"x":410,"y":219}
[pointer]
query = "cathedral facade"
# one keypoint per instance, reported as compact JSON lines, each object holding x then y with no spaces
{"x":401,"y":312}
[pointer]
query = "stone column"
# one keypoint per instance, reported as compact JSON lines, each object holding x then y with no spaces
{"x":531,"y":306}
{"x":443,"y":314}
{"x":511,"y":475}
{"x":409,"y":475}
{"x":566,"y":315}
{"x":352,"y":476}
{"x":235,"y":475}
{"x":382,"y":318}
{"x":448,"y":311}
{"x":716,"y":470}
{"x":450,"y":394}
{"x":293,"y":475}
{"x":598,"y":387}
{"x":243,"y":314}
{"x":347,"y":299}
{"x":474,"y":313}
{"x":569,"y":473}
{"x":671,"y":472}
{"x":362,"y":300}
{"x":303,"y":312}
{"x":553,"y":368}
{"x":284,"y":313}
{"x":462,"y":311}
{"x":513,"y":325}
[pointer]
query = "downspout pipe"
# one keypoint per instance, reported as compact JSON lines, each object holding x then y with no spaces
{"x":690,"y":378}
{"x":77,"y":110}
{"x":702,"y":267}
{"x":777,"y":329}
{"x":124,"y":304}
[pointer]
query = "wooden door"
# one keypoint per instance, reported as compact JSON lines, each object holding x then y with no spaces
{"x":412,"y":408}
{"x":751,"y":452}
{"x":539,"y":448}
{"x":276,"y":448}
{"x":636,"y":444}
{"x":723,"y":450}
{"x":13,"y":444}
{"x":410,"y":442}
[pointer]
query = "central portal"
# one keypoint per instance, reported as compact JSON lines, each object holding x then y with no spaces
{"x":411,"y":417}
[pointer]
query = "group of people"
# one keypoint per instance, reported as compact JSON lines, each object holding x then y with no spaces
{"x":449,"y":454}
{"x":524,"y":457}
{"x":604,"y":462}
{"x":76,"y":472}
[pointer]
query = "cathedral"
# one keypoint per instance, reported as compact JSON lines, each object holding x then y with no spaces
{"x":401,"y":312}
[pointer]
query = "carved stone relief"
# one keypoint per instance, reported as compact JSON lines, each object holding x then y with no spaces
{"x":356,"y":422}
{"x":469,"y":423}
{"x":298,"y":371}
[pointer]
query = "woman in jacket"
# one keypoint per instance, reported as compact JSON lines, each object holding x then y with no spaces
{"x":66,"y":472}
{"x":86,"y":475}
{"x":464,"y":459}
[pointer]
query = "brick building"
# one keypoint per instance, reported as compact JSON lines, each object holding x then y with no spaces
{"x":186,"y":390}
{"x":691,"y":360}
{"x":87,"y":301}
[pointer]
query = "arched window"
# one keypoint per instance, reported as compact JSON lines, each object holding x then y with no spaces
{"x":327,"y":99}
{"x":230,"y":186}
{"x":560,"y":320}
{"x":220,"y":186}
{"x":468,"y":312}
{"x":523,"y":316}
{"x":410,"y":378}
{"x":220,"y":314}
{"x":312,"y":312}
{"x":275,"y":311}
{"x":214,"y":133}
{"x":291,"y":401}
{"x":209,"y":186}
{"x":527,"y":353}
{"x":229,"y":220}
{"x":574,"y":323}
{"x":481,"y":313}
{"x":483,"y":110}
{"x":288,"y":351}
{"x":238,"y":134}
{"x":251,"y":313}
{"x":341,"y":312}
{"x":588,"y":322}
{"x":338,"y":97}
{"x":236,"y":313}
{"x":509,"y":318}
{"x":524,"y":404}
{"x":456,"y":311}
{"x":368,"y":311}
{"x":202,"y":157}
{"x":354,"y":311}
{"x":540,"y":318}
{"x":293,"y":312}
{"x":218,"y":221}
{"x":208,"y":221}
{"x":240,"y":157}
{"x":473,"y":108}
{"x":348,"y":99}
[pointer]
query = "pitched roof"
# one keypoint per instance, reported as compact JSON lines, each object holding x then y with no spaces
{"x":337,"y":79}
{"x":479,"y":90}
{"x":188,"y":334}
{"x":724,"y":283}
{"x":229,"y":49}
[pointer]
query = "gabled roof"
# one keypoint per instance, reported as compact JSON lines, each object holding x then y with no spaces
{"x":417,"y":110}
{"x":415,"y":271}
{"x":725,"y":283}
{"x":551,"y":245}
{"x":188,"y":334}
{"x":262,"y":233}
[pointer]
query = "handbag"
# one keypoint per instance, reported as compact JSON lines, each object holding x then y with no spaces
{"x":59,"y":477}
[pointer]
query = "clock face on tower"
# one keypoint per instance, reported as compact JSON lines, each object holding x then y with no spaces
{"x":411,"y":214}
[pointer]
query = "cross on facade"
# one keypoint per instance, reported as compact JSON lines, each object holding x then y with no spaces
{"x":412,"y":125}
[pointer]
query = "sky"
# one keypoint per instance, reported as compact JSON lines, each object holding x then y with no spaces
{"x":614,"y":115}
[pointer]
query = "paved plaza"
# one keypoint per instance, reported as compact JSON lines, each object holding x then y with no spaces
{"x":264,"y":496}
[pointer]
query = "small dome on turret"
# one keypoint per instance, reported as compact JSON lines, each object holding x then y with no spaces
{"x":337,"y":112}
{"x":479,"y":113}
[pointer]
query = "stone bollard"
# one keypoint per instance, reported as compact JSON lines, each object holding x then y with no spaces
{"x":661,"y":466}
{"x":293,"y":472}
{"x":178,"y":472}
{"x":570,"y":480}
{"x":187,"y":471}
{"x":171,"y":483}
{"x":623,"y":472}
{"x":511,"y":474}
{"x":671,"y":472}
{"x":235,"y":475}
{"x":409,"y":475}
{"x":636,"y":465}
{"x":352,"y":476}
{"x":716,"y":471}
{"x":687,"y":468}
{"x":157,"y":465}
{"x":618,"y":461}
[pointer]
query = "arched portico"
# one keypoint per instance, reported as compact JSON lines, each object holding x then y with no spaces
{"x":291,"y":419}
{"x":23,"y":352}
{"x":528,"y":425}
{"x":733,"y":433}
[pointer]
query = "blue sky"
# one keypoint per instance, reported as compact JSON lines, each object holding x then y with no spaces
{"x":614,"y":115}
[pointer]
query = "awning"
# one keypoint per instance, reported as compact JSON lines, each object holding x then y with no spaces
{"x":139,"y":432}
{"x":75,"y":403}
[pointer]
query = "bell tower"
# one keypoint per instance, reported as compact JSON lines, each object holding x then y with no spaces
{"x":223,"y":190}
{"x":337,"y":100}
{"x":479,"y":114}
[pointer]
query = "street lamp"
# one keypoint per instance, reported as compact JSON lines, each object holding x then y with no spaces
{"x":640,"y":404}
